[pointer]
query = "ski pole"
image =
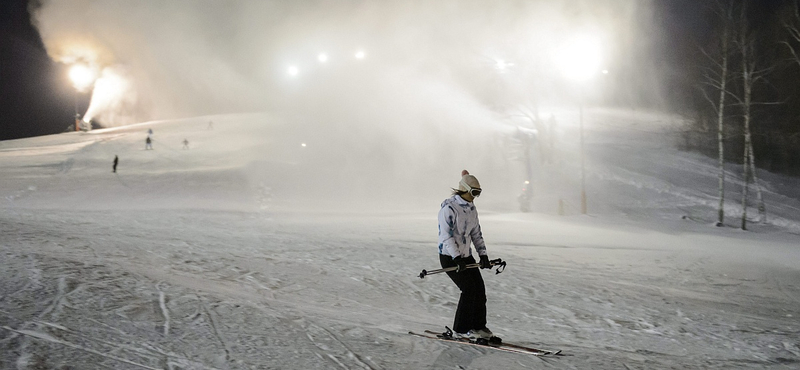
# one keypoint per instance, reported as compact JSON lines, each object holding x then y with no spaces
{"x":501,"y":265}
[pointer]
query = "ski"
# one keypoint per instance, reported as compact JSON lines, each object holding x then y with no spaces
{"x":468,"y":342}
{"x":545,"y":351}
{"x":505,"y":347}
{"x":490,"y":343}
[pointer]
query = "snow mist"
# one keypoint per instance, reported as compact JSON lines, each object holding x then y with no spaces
{"x":397,"y":91}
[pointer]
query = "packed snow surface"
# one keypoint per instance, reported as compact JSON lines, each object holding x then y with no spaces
{"x":266,"y":246}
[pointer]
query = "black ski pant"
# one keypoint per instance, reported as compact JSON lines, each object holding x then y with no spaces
{"x":471,"y":311}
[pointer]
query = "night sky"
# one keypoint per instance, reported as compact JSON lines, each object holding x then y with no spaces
{"x":36,"y":97}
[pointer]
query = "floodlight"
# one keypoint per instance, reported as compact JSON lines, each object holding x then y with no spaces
{"x":581,"y":59}
{"x":82,"y":76}
{"x":502,"y":65}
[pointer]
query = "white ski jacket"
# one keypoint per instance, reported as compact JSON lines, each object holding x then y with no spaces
{"x":458,"y":227}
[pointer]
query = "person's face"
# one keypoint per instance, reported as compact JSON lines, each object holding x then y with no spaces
{"x":471,"y":193}
{"x":468,"y":197}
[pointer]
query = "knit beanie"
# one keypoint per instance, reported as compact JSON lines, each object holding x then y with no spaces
{"x":468,"y":180}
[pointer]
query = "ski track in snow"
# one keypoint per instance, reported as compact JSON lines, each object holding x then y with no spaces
{"x":282,"y":306}
{"x":185,"y":261}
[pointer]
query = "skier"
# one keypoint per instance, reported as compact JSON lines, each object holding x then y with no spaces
{"x":148,"y":144}
{"x":458,"y":227}
{"x":185,"y":143}
{"x":116,"y":160}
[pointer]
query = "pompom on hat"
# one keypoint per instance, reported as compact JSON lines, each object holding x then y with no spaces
{"x":468,"y":182}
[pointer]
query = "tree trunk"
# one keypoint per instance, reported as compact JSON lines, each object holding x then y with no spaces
{"x":746,"y":179}
{"x":747,"y":87}
{"x":721,"y":127}
{"x":749,"y":75}
{"x":762,"y":207}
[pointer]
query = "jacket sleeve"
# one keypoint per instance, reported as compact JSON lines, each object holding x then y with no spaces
{"x":447,"y":229}
{"x":477,"y":239}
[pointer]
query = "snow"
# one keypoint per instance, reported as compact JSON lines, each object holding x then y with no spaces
{"x":249,"y":251}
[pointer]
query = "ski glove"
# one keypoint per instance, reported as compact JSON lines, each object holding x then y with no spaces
{"x":485,"y":264}
{"x":461,"y":263}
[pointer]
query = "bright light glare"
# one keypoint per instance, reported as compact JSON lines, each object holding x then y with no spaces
{"x":323,"y":58}
{"x":502,"y":65}
{"x":580,"y":59}
{"x":303,"y":145}
{"x":293,"y":71}
{"x":360,"y":55}
{"x":82,"y":76}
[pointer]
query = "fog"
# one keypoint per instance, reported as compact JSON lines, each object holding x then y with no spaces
{"x":432,"y":89}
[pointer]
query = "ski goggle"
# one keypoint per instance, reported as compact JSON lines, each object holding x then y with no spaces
{"x":475,"y":192}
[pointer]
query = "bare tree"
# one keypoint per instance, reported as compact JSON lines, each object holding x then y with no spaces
{"x":716,"y":77}
{"x":745,"y":44}
{"x":792,"y":26}
{"x":750,"y":76}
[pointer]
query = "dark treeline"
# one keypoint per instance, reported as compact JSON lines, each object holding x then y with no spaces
{"x":761,"y":46}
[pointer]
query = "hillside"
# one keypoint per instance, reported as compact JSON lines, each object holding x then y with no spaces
{"x":274,"y":242}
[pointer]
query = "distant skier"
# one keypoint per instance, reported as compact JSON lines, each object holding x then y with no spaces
{"x":210,"y":125}
{"x":185,"y":144}
{"x":149,"y":132}
{"x":458,"y":227}
{"x":116,"y":160}
{"x":148,"y":144}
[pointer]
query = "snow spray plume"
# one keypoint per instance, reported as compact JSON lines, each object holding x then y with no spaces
{"x":411,"y":85}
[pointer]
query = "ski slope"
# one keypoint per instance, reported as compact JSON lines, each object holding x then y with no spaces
{"x":273,"y":243}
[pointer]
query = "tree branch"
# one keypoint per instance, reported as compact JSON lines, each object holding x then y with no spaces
{"x":713,"y":104}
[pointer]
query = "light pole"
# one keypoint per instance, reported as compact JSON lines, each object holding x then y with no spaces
{"x":77,"y":115}
{"x":580,"y":62}
{"x":583,"y":159}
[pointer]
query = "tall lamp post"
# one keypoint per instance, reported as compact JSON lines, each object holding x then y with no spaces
{"x":77,"y":115}
{"x":82,"y":77}
{"x":580,"y":62}
{"x":583,"y":159}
